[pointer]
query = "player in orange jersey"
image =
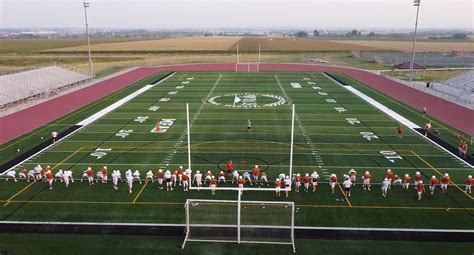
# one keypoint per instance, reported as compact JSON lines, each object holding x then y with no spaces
{"x":90,"y":176}
{"x":180,"y":171}
{"x":400,"y":131}
{"x":307,"y":182}
{"x":445,"y":182}
{"x":102,"y":175}
{"x":417,"y":178}
{"x":230,"y":167}
{"x":160,"y":177}
{"x":255,"y":173}
{"x":420,"y":188}
{"x":240,"y":183}
{"x":464,"y":150}
{"x":50,"y":179}
{"x":366,"y":180}
{"x":185,"y":179}
{"x":22,"y":174}
{"x":469,"y":182}
{"x":389,"y":176}
{"x":213,"y":184}
{"x":277,"y":187}
{"x":433,"y":183}
{"x":297,"y":181}
{"x":406,"y":182}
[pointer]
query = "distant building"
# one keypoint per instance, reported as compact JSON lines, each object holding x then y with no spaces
{"x":457,"y":53}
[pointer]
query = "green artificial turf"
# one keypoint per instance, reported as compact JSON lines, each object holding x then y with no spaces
{"x":123,"y":244}
{"x":324,"y":142}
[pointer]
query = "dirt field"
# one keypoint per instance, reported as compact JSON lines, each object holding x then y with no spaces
{"x":168,"y":44}
{"x":406,"y":46}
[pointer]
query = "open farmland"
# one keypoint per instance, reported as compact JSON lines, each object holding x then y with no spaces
{"x":169,"y":44}
{"x":295,"y":45}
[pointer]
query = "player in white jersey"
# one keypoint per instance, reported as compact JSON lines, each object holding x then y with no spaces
{"x":59,"y":175}
{"x":198,"y":179}
{"x":149,"y":177}
{"x":385,"y":186}
{"x":66,"y":178}
{"x":353,"y":176}
{"x":38,"y":170}
{"x":169,"y":183}
{"x":115,"y":179}
{"x":235,"y":176}
{"x":130,"y":182}
{"x":287,"y":182}
{"x":31,"y":176}
{"x":397,"y":181}
{"x":347,"y":186}
{"x":136,"y":176}
{"x":247,"y":177}
{"x":281,"y":176}
{"x":314,"y":180}
{"x":221,"y":177}
{"x":11,"y":175}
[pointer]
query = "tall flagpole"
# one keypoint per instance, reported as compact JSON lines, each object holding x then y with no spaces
{"x":91,"y":67}
{"x":412,"y":63}
{"x":189,"y":137}
{"x":292,"y":137}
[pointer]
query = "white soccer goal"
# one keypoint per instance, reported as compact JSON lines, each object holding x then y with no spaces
{"x":258,"y":222}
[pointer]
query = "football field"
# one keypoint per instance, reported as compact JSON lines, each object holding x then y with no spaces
{"x":335,"y":131}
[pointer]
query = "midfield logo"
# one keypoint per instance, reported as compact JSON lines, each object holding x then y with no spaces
{"x":247,"y":100}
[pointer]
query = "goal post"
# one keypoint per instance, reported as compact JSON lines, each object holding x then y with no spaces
{"x":258,"y":222}
{"x":247,"y":66}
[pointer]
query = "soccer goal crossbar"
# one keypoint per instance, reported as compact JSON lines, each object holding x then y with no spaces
{"x":231,"y":221}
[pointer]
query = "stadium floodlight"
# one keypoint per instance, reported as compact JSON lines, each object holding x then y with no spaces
{"x":91,"y":68}
{"x":412,"y":63}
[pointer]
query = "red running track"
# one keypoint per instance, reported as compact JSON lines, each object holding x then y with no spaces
{"x":26,"y":120}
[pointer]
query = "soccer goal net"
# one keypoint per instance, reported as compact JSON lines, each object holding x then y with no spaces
{"x":262,"y":222}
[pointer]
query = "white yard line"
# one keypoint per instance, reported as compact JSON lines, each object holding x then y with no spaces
{"x":180,"y":141}
{"x":396,"y":117}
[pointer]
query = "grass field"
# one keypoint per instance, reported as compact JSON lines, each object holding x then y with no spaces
{"x":218,"y":135}
{"x":123,"y":244}
{"x":406,"y":46}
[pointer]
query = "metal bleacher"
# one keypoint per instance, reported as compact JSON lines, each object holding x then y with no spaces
{"x":29,"y":85}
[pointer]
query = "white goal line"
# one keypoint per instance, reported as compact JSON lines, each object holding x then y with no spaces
{"x":183,"y":225}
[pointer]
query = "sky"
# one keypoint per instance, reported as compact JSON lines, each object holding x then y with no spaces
{"x":172,"y":14}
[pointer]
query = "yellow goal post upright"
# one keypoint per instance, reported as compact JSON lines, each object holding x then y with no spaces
{"x":247,"y":66}
{"x":239,"y":221}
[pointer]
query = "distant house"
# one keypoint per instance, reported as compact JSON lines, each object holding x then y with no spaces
{"x":406,"y":66}
{"x":457,"y":53}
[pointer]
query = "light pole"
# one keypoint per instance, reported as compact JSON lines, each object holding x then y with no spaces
{"x":412,"y":63}
{"x":91,"y":68}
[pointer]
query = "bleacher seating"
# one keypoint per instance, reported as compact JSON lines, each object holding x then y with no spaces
{"x":460,"y":87}
{"x":42,"y":82}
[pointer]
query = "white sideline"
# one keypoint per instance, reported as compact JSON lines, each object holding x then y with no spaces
{"x":94,"y":117}
{"x":394,"y":116}
{"x":183,"y":225}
